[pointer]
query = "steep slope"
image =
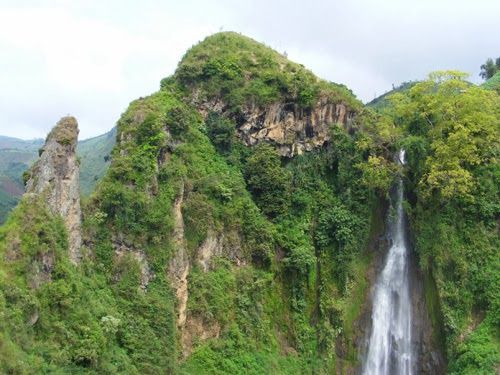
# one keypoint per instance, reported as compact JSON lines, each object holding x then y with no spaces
{"x":268,"y":97}
{"x":240,"y":225}
{"x":199,"y":253}
{"x":281,"y":268}
{"x":55,"y":177}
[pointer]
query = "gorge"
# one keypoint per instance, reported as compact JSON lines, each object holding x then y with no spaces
{"x":390,"y":343}
{"x":243,"y":227}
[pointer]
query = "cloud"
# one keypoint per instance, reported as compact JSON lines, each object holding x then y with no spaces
{"x":55,"y":61}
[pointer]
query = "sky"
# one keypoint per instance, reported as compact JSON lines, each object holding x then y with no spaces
{"x":91,"y":58}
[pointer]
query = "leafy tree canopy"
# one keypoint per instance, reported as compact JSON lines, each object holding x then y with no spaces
{"x":460,"y":123}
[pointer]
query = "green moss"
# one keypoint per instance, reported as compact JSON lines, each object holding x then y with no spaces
{"x":65,"y":132}
{"x":432,"y":302}
{"x":358,"y":288}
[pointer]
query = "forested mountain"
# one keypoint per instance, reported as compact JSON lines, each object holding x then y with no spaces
{"x":241,"y":225}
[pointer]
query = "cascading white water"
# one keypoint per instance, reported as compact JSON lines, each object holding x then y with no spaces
{"x":389,"y":348}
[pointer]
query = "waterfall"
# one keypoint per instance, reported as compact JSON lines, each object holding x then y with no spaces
{"x":389,"y":346}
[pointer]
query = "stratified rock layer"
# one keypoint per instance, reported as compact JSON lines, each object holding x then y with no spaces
{"x":55,"y":176}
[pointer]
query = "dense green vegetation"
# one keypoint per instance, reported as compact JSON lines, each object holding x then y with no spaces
{"x":241,"y":71}
{"x":61,"y":326}
{"x":450,"y":130}
{"x":287,"y":282}
{"x":268,"y":308}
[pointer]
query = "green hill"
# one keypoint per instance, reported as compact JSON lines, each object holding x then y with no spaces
{"x":209,"y":252}
{"x":95,"y":156}
{"x":381,"y":102}
{"x":241,"y":70}
{"x":493,"y":83}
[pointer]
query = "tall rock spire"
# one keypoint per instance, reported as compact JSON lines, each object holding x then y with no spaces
{"x":55,"y":175}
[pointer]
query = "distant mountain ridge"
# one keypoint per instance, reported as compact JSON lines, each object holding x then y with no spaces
{"x":16,"y":143}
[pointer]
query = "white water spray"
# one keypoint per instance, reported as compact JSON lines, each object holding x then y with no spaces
{"x":389,"y":348}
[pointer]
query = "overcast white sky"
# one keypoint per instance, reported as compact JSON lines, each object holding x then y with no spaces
{"x":91,"y":58}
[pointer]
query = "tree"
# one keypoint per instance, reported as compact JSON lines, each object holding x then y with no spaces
{"x":489,"y":68}
{"x":221,"y":132}
{"x":460,"y":122}
{"x":268,"y":181}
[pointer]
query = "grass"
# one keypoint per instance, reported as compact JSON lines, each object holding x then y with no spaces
{"x":243,"y":71}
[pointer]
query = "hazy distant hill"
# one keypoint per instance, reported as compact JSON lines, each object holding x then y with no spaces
{"x":19,"y":144}
{"x":94,"y":159}
{"x":16,"y":155}
{"x":381,"y":101}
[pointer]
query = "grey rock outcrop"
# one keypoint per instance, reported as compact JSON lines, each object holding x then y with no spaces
{"x":212,"y":246}
{"x":55,"y":176}
{"x":292,"y":129}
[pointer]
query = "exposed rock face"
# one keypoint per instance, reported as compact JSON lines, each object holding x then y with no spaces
{"x":56,"y":176}
{"x":194,"y":328}
{"x":212,"y":246}
{"x":178,"y":269}
{"x":225,"y":244}
{"x":197,"y":329}
{"x":292,"y":129}
{"x":430,"y":358}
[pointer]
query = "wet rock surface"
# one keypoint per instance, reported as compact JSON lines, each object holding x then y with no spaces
{"x":429,"y":356}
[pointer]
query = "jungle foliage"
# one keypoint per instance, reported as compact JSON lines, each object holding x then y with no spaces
{"x":450,"y":131}
{"x":289,"y":280}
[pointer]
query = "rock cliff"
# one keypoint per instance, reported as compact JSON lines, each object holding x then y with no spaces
{"x":55,"y":176}
{"x":267,"y":96}
{"x":291,"y":128}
